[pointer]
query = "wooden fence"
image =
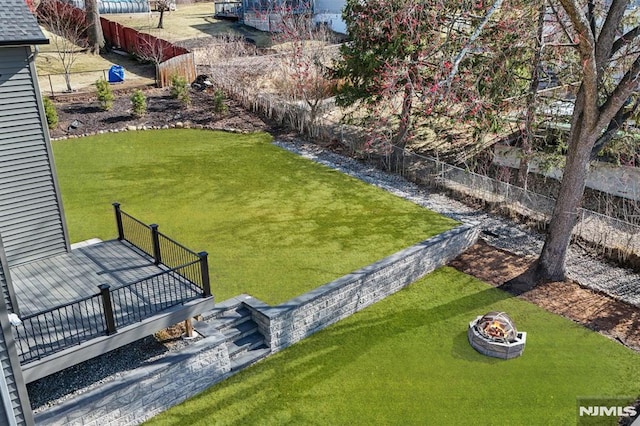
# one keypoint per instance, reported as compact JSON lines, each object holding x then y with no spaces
{"x":183,"y":65}
{"x":146,"y":47}
{"x":140,"y":44}
{"x":169,"y":59}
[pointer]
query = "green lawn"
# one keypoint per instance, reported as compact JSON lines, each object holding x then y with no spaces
{"x":275,"y":225}
{"x":406,"y":361}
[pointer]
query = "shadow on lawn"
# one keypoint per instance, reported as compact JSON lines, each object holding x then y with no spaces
{"x":293,"y":373}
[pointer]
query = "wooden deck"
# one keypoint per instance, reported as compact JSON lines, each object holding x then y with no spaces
{"x":140,"y":292}
{"x":65,"y":278}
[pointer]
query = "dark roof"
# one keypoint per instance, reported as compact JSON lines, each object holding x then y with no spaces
{"x":18,"y":26}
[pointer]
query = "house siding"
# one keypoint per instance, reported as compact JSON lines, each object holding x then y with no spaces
{"x":33,"y":225}
{"x":4,"y":281}
{"x":329,"y":6}
{"x":329,"y":12}
{"x":13,"y":394}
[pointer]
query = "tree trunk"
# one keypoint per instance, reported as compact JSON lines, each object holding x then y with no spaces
{"x":551,"y":264}
{"x":404,"y":128}
{"x":161,"y":20}
{"x":67,"y":80}
{"x":399,"y":141}
{"x":94,"y":28}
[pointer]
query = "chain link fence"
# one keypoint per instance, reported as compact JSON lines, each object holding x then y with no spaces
{"x":56,"y":84}
{"x":609,"y":235}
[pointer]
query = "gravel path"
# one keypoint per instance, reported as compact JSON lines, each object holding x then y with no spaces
{"x":619,"y":283}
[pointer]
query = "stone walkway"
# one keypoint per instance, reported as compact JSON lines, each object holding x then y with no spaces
{"x":619,"y":283}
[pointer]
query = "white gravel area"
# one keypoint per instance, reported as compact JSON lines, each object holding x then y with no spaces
{"x":617,"y":282}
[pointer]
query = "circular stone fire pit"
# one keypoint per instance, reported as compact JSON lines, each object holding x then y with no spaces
{"x":494,"y":334}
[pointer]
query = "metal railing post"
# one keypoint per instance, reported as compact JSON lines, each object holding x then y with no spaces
{"x":155,"y":240}
{"x":108,"y":309}
{"x":116,"y":207}
{"x":204,"y":271}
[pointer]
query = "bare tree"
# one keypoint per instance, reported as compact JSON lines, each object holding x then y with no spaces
{"x":162,"y":6}
{"x":306,"y":58}
{"x":69,"y":29}
{"x":151,"y":49}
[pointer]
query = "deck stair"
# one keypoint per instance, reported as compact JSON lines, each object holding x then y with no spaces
{"x":244,"y":341}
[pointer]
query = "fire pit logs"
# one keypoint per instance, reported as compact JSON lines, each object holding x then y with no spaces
{"x":495,"y":334}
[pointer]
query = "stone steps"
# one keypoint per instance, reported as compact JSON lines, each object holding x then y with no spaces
{"x":234,"y":325}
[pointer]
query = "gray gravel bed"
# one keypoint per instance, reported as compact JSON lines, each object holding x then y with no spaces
{"x":617,"y":282}
{"x":83,"y":377}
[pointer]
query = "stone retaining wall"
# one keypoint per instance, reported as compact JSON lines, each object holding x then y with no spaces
{"x":145,"y":392}
{"x":300,"y":317}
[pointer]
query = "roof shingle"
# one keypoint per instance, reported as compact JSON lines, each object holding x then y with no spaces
{"x":18,"y":26}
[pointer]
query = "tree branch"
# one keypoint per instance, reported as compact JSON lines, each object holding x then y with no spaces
{"x":456,"y":63}
{"x":614,"y":125}
{"x":561,"y":23}
{"x":627,"y":38}
{"x":588,"y":94}
{"x":608,"y":33}
{"x":629,"y":83}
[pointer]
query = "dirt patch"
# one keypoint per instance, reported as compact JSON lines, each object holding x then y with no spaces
{"x":615,"y":319}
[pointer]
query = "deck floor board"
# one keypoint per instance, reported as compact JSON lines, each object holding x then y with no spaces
{"x":69,"y":277}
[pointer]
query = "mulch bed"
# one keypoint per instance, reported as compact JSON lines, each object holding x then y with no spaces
{"x":612,"y":318}
{"x":81,"y":114}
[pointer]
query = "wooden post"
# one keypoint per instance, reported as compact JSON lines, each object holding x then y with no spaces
{"x":188,"y":325}
{"x":116,"y":207}
{"x":155,"y":239}
{"x":108,"y":309}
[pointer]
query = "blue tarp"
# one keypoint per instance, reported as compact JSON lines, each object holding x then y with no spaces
{"x":116,"y":74}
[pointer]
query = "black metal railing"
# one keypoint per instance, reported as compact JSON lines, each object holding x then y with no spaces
{"x":55,"y":329}
{"x":146,"y":297}
{"x":47,"y":332}
{"x":133,"y":231}
{"x":164,"y":250}
{"x":186,"y":278}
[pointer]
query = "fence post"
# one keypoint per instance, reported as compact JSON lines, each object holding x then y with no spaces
{"x":108,"y":308}
{"x":155,"y":240}
{"x":116,"y":207}
{"x":204,"y":271}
